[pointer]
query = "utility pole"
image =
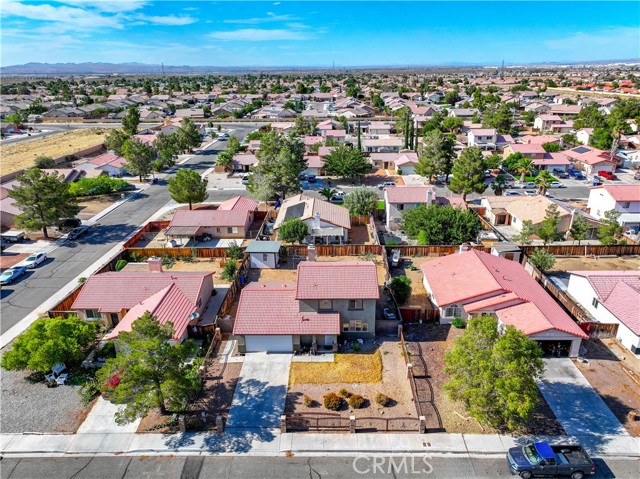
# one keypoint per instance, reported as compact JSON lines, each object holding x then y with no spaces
{"x":502,"y":71}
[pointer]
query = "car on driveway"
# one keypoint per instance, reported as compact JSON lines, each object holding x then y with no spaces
{"x":77,"y":232}
{"x":608,"y":175}
{"x":34,"y":260}
{"x":337,"y":197}
{"x":636,"y":176}
{"x":557,"y":184}
{"x":512,"y":193}
{"x":526,"y":184}
{"x":245,"y":180}
{"x":223,"y":136}
{"x":311,"y":179}
{"x":530,"y":193}
{"x":386,"y":184}
{"x":11,"y":274}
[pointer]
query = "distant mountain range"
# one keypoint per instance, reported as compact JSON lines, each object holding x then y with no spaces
{"x":150,"y":69}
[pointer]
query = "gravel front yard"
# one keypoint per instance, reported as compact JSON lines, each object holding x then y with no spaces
{"x":28,"y":407}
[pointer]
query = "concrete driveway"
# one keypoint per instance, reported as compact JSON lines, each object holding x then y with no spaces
{"x":577,"y":406}
{"x":261,"y":391}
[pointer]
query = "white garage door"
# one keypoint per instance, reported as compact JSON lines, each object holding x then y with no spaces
{"x":270,"y":344}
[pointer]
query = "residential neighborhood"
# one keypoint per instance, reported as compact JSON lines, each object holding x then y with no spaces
{"x":328,"y":269}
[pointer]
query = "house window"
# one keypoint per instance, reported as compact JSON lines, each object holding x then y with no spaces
{"x":93,"y":314}
{"x":401,"y":206}
{"x":355,"y":304}
{"x":265,"y":257}
{"x":595,"y":302}
{"x":452,"y":312}
{"x":325,"y":305}
{"x":217,"y":230}
{"x":624,"y":204}
{"x":229,"y":230}
{"x":345,"y":326}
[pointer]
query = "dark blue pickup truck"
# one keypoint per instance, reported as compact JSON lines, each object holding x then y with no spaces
{"x":540,"y":459}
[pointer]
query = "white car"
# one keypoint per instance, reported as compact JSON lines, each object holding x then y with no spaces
{"x":556,"y":184}
{"x":530,"y":193}
{"x":34,"y":260}
{"x":386,"y":184}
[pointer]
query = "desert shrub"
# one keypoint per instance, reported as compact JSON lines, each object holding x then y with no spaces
{"x":458,"y":323}
{"x":229,"y":271}
{"x":356,"y":347}
{"x":307,"y":401}
{"x":332,"y":401}
{"x":234,"y":251}
{"x":121,"y":263}
{"x":382,"y":399}
{"x":356,"y":401}
{"x":89,"y":390}
{"x":344,"y":393}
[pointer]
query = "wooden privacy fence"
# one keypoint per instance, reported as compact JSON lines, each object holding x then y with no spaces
{"x":316,"y":422}
{"x":586,"y":250}
{"x":335,"y":250}
{"x":63,"y":308}
{"x":360,"y":220}
{"x":235,"y":287}
{"x":432,"y":250}
{"x":152,"y":226}
{"x":177,"y":252}
{"x":600,"y":330}
{"x":415,"y":314}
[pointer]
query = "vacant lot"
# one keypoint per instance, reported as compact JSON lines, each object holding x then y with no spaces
{"x":584,"y":263}
{"x":615,"y":374}
{"x":17,"y":156}
{"x":197,"y":265}
{"x":379,"y":370}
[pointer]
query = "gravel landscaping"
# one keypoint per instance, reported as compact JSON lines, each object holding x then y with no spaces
{"x":28,"y":407}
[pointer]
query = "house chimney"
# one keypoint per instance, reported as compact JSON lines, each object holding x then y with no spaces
{"x":316,"y":221}
{"x":155,"y":264}
{"x":463,"y":248}
{"x":311,"y":252}
{"x":429,"y":196}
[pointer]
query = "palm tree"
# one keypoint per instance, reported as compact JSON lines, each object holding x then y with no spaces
{"x":524,"y":167}
{"x":327,"y":193}
{"x":225,"y":159}
{"x":499,"y":185}
{"x":543,"y":180}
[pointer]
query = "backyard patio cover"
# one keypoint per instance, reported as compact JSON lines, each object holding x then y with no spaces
{"x":182,"y":230}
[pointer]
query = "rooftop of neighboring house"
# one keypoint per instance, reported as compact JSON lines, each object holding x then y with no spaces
{"x":529,"y":148}
{"x":314,"y":161}
{"x":483,"y":131}
{"x":272,"y":308}
{"x":382,"y":141}
{"x":550,"y":118}
{"x":108,"y":158}
{"x":524,"y":207}
{"x":408,"y":194}
{"x":239,"y":203}
{"x":337,"y":280}
{"x":588,"y":155}
{"x":310,"y":140}
{"x":619,"y":292}
{"x":405,"y":157}
{"x":306,"y":207}
{"x":459,"y":278}
{"x":212,"y":218}
{"x":539,"y":139}
{"x":245,"y":159}
{"x":551,"y":159}
{"x":621,"y":192}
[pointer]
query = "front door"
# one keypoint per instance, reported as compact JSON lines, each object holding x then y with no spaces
{"x":114,"y":319}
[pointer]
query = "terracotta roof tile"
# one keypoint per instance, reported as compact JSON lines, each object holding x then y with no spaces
{"x":239,"y":203}
{"x":209,"y":218}
{"x":337,"y":280}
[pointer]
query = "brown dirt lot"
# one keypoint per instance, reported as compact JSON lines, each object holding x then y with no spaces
{"x":184,"y":266}
{"x":7,"y":260}
{"x":17,"y":156}
{"x":583,"y":263}
{"x":394,"y":384}
{"x":92,"y":206}
{"x":418,"y":293}
{"x":606,"y":373}
{"x":435,"y":340}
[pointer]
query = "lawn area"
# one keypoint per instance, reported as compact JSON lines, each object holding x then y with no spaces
{"x":533,"y":178}
{"x":17,"y":156}
{"x":347,"y":368}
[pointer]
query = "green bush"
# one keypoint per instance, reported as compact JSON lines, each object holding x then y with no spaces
{"x":383,"y":399}
{"x":234,"y":251}
{"x":168,"y":261}
{"x":307,"y":401}
{"x":401,"y":287}
{"x":108,"y":351}
{"x":344,"y":393}
{"x":102,"y":185}
{"x":458,"y":323}
{"x":356,"y":401}
{"x":121,"y":263}
{"x":357,"y":347}
{"x":332,"y":401}
{"x":229,"y":271}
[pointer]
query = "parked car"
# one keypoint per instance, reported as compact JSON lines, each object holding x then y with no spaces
{"x":302,"y":177}
{"x":34,"y":260}
{"x":512,"y":193}
{"x":543,"y":459}
{"x":9,"y":275}
{"x":608,"y":175}
{"x":386,"y":184}
{"x":637,"y":175}
{"x":245,"y":180}
{"x":388,"y":314}
{"x":311,"y":179}
{"x":223,"y":136}
{"x":530,"y":193}
{"x":77,"y":232}
{"x":596,"y":181}
{"x":563,"y":175}
{"x":557,"y":184}
{"x":526,"y":184}
{"x":337,"y":197}
{"x":14,"y":236}
{"x":576,"y":174}
{"x":69,"y":223}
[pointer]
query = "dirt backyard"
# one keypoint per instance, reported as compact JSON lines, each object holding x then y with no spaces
{"x":394,"y":384}
{"x":435,"y":340}
{"x":615,"y":374}
{"x":196,"y":265}
{"x":584,"y":263}
{"x":18,"y":156}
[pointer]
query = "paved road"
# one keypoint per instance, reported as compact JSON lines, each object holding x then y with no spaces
{"x":194,"y":467}
{"x":69,"y":260}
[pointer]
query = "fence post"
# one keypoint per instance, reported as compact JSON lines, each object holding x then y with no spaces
{"x":422,"y":424}
{"x":219,"y":423}
{"x":399,"y":330}
{"x":352,"y":424}
{"x":409,"y":371}
{"x":283,"y":423}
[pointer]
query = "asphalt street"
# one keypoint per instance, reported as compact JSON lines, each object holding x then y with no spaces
{"x":195,"y":467}
{"x":69,"y":260}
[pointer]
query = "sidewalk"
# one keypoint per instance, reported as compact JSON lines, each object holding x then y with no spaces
{"x":272,"y":443}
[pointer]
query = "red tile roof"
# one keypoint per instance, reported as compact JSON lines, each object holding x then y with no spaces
{"x":623,"y":192}
{"x":619,"y":292}
{"x":272,"y":308}
{"x":209,"y":218}
{"x":239,"y":203}
{"x":590,"y":156}
{"x":462,"y":277}
{"x":337,"y":280}
{"x":329,"y":213}
{"x":107,"y":158}
{"x":408,"y":194}
{"x":112,"y":292}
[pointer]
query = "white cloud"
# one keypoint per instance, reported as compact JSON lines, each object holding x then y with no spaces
{"x":608,"y":41}
{"x":171,"y":20}
{"x":259,"y":35}
{"x":271,"y":17}
{"x":111,"y":6}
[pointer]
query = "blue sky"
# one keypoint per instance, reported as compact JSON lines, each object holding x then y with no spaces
{"x":288,"y":33}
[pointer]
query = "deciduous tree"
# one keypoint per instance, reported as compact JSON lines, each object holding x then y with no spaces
{"x":494,"y":374}
{"x":115,"y":139}
{"x":468,"y":173}
{"x":523,"y":237}
{"x":188,"y":187}
{"x":139,"y":158}
{"x":579,"y":228}
{"x":610,"y":231}
{"x":43,"y":199}
{"x":293,"y":230}
{"x":542,"y":259}
{"x":441,"y":224}
{"x":361,"y":201}
{"x":346,"y":162}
